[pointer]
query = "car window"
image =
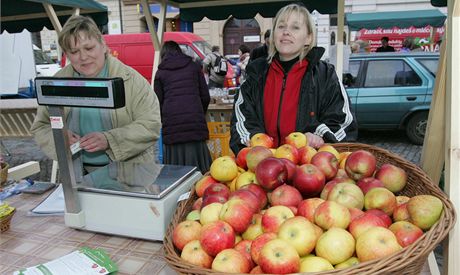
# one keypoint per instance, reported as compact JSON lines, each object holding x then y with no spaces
{"x":390,"y":73}
{"x":430,"y":64}
{"x":351,"y":76}
{"x":203,"y":47}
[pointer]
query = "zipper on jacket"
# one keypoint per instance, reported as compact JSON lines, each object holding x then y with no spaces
{"x":283,"y":87}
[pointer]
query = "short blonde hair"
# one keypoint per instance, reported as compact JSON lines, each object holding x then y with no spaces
{"x":73,"y":28}
{"x":285,"y":12}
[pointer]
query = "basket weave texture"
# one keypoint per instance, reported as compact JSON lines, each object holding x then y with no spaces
{"x":409,"y":260}
{"x":5,"y":222}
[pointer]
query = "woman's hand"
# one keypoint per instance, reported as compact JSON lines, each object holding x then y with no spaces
{"x":72,"y":137}
{"x":314,"y":140}
{"x":94,"y":142}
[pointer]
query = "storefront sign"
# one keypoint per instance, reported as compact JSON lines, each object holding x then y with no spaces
{"x":251,"y":38}
{"x":422,"y":37}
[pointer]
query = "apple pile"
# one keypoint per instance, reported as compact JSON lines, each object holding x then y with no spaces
{"x":297,"y":209}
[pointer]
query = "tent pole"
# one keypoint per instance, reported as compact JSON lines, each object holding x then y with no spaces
{"x":153,"y":36}
{"x":340,"y":27}
{"x":452,"y":171}
{"x":53,"y":17}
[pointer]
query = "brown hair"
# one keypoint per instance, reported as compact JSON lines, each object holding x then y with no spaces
{"x":75,"y":26}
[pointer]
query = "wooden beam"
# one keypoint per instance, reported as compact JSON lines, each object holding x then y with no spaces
{"x":340,"y":42}
{"x":24,"y":170}
{"x":433,"y":151}
{"x":53,"y":17}
{"x":452,"y":166}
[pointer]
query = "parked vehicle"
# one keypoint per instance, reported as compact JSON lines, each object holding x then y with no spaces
{"x":44,"y":65}
{"x":392,"y":90}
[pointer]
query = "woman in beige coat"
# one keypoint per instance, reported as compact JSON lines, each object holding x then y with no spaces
{"x":127,"y":133}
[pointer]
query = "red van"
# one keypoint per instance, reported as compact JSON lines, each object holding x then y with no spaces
{"x":136,"y":50}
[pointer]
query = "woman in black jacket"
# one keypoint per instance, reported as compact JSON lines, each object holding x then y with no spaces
{"x":184,"y":99}
{"x":292,"y":90}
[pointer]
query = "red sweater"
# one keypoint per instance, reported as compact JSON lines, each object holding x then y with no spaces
{"x":281,"y":99}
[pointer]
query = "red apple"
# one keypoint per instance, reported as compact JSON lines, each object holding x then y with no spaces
{"x":331,"y":214}
{"x":274,"y":216}
{"x":271,"y":173}
{"x":224,"y":169}
{"x":185,"y":232}
{"x":392,"y":177}
{"x":347,"y":194}
{"x":307,"y":208}
{"x":305,"y":154}
{"x":259,"y":192}
{"x":237,"y":213}
{"x":341,"y":173}
{"x":380,"y":198}
{"x":204,"y":183}
{"x":360,"y":164}
{"x":362,"y":223}
{"x":335,"y":245}
{"x":330,"y":184}
{"x":285,"y":195}
{"x":255,"y":155}
{"x":212,"y":199}
{"x":354,"y":213}
{"x":197,"y":204}
{"x":376,"y":242}
{"x":217,"y":236}
{"x":406,"y":233}
{"x":254,"y":229}
{"x":382,"y":215}
{"x":262,"y":139}
{"x":231,"y":261}
{"x":249,"y":197}
{"x":244,"y":247}
{"x":279,"y":257}
{"x":241,"y":158}
{"x":194,"y":254}
{"x":309,"y":180}
{"x":217,"y":189}
{"x":290,"y":168}
{"x":287,"y":151}
{"x":296,"y":139}
{"x":258,"y":243}
{"x":300,"y":233}
{"x":327,"y":163}
{"x":367,"y":184}
{"x":256,"y":270}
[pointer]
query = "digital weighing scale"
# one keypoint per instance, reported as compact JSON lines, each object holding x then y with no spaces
{"x":123,"y":198}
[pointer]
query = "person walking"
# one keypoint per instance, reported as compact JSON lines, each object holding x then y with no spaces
{"x":184,"y":98}
{"x":214,"y":80}
{"x":385,"y":46}
{"x":292,"y":90}
{"x":243,"y":52}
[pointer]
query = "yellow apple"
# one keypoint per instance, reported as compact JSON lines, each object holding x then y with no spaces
{"x":224,"y":169}
{"x":315,"y":264}
{"x":329,"y":148}
{"x":297,"y":139}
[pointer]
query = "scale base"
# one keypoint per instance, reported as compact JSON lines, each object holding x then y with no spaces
{"x":75,"y":220}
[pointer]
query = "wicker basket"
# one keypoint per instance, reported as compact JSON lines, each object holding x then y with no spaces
{"x":3,"y":173}
{"x":6,"y":221}
{"x":409,"y":260}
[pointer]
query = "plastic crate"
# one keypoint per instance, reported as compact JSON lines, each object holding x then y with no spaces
{"x":219,"y":139}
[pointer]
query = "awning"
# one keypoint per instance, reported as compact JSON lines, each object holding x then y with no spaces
{"x":196,"y":10}
{"x":401,"y":19}
{"x":17,"y":15}
{"x":439,"y":3}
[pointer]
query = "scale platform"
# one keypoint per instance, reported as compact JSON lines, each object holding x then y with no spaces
{"x":132,"y":199}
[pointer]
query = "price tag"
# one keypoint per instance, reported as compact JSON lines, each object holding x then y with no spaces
{"x":75,"y":148}
{"x":184,"y":196}
{"x":56,"y":122}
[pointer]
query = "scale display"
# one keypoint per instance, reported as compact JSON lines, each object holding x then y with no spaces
{"x":147,"y":180}
{"x":80,"y":92}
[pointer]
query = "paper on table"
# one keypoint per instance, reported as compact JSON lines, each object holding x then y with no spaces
{"x":54,"y":204}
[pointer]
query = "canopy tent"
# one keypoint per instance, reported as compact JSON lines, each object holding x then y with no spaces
{"x":401,"y":19}
{"x":34,"y":15}
{"x":439,"y":3}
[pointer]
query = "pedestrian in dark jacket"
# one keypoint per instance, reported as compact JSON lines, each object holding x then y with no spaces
{"x":184,"y":99}
{"x":292,"y":91}
{"x":261,"y":51}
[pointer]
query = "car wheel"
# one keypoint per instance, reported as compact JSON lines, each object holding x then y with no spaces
{"x":416,"y":127}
